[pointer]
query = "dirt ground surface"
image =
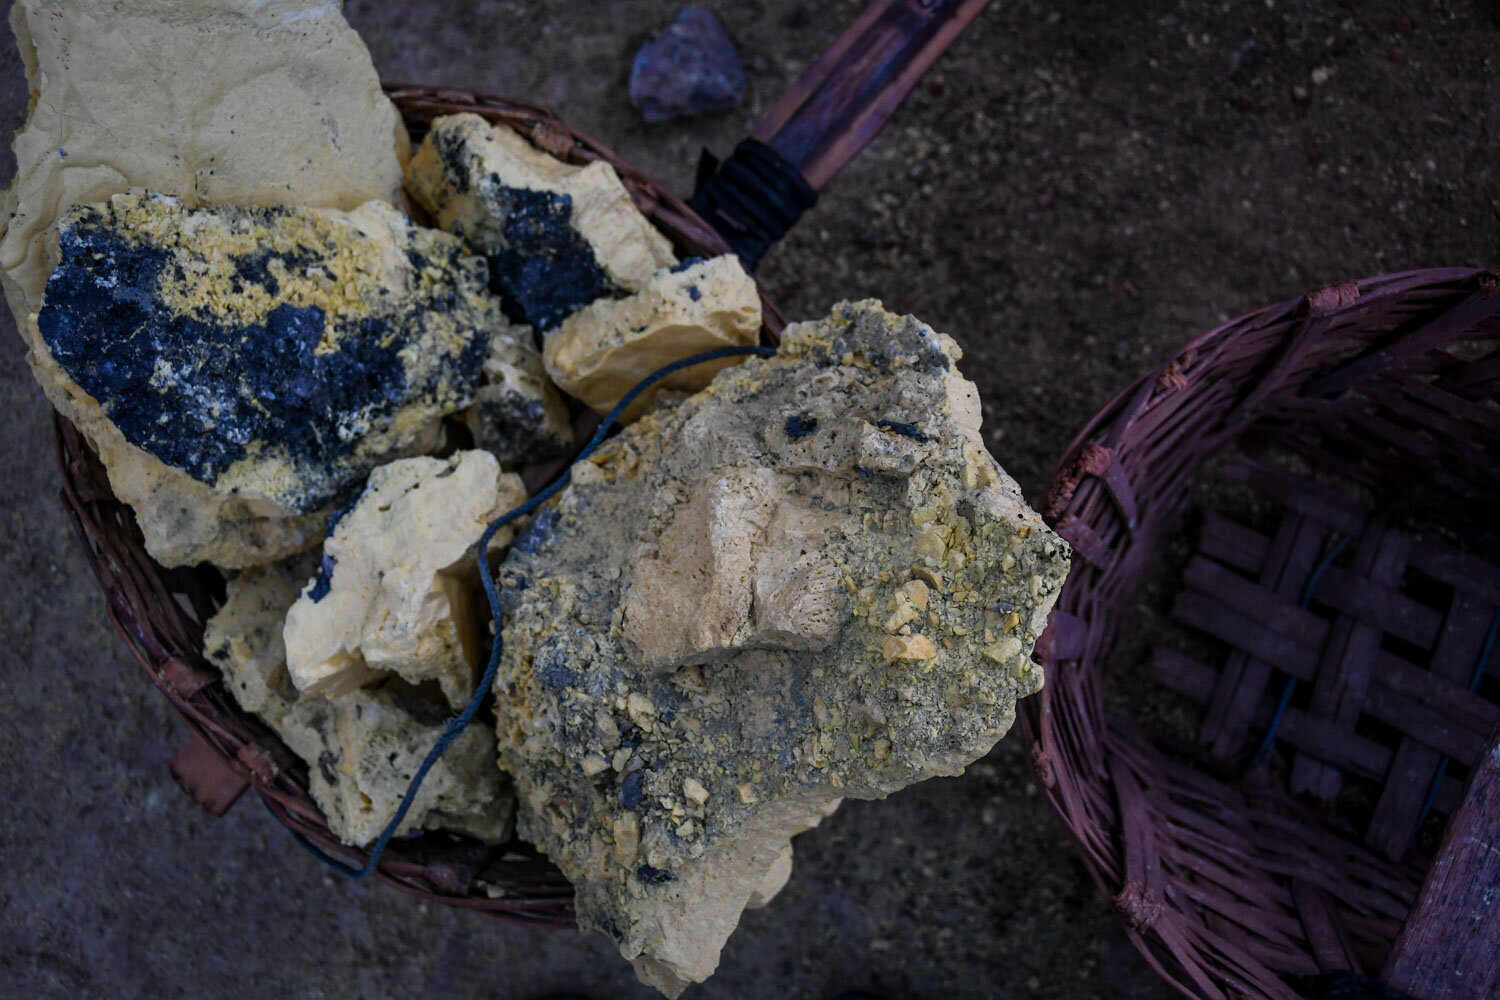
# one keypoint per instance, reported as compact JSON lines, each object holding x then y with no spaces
{"x":1077,"y":188}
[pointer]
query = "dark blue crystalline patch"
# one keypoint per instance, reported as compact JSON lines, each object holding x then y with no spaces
{"x":685,"y":264}
{"x":800,"y":426}
{"x":195,"y":390}
{"x":538,"y":533}
{"x":544,"y":269}
{"x":631,"y":790}
{"x":905,"y":430}
{"x":551,"y":668}
{"x":324,"y":581}
{"x":653,"y":876}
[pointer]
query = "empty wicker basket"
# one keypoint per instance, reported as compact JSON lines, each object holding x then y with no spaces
{"x":1351,"y":630}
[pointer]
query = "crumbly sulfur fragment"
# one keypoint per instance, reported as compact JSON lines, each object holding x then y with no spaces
{"x":362,"y":749}
{"x":601,"y":351}
{"x":215,"y":102}
{"x":272,"y":353}
{"x":777,"y":594}
{"x":244,"y":638}
{"x":557,"y":236}
{"x":518,"y":415}
{"x":397,"y":591}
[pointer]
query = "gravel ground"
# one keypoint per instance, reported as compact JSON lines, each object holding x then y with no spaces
{"x":1075,"y":189}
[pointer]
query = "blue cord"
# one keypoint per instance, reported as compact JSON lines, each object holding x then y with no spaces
{"x":1269,"y":743}
{"x":1442,"y":768}
{"x":457,"y":723}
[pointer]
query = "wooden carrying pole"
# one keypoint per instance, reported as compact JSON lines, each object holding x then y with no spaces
{"x":831,"y":113}
{"x":1450,"y":947}
{"x":848,"y":94}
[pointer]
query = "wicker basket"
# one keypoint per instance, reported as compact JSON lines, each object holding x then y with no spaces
{"x":1367,"y":413}
{"x":828,"y":116}
{"x":161,"y":612}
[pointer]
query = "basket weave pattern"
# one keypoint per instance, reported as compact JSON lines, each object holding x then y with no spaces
{"x":1389,"y":386}
{"x":161,"y":612}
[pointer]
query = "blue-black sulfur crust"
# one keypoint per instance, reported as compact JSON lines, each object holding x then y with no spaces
{"x":230,"y":385}
{"x":544,"y":270}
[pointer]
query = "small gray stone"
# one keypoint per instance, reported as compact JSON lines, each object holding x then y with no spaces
{"x":689,"y":69}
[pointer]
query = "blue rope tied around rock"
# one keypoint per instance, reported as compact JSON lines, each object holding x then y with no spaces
{"x":456,"y":724}
{"x":1269,"y":743}
{"x":1442,"y":769}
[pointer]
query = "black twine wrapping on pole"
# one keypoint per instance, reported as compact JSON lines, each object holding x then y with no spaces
{"x":456,"y":724}
{"x":752,"y":199}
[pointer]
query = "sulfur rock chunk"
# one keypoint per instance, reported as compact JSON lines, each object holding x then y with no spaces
{"x":398,"y":591}
{"x":362,"y":749}
{"x":212,"y":101}
{"x":600,"y":352}
{"x":244,"y":638}
{"x":275,"y":353}
{"x":807,"y":582}
{"x":557,"y":236}
{"x":518,"y":415}
{"x":215,"y":102}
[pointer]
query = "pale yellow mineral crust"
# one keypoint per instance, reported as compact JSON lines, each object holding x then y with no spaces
{"x":601,"y":351}
{"x":398,"y":591}
{"x":808,"y":582}
{"x":362,"y":749}
{"x":215,"y":102}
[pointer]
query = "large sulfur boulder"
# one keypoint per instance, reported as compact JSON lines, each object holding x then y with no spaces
{"x":273,"y":353}
{"x":213,"y":102}
{"x":808,"y":582}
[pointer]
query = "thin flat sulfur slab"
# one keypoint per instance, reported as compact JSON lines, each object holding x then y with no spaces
{"x":807,"y":582}
{"x":277,"y":352}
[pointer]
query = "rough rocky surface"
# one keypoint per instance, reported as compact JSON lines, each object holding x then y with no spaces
{"x":282,"y":101}
{"x":691,"y":68}
{"x":1014,"y":199}
{"x":601,"y":351}
{"x":557,"y":236}
{"x":518,"y":414}
{"x":272,"y":353}
{"x":243,"y":639}
{"x":808,"y":582}
{"x":397,"y":590}
{"x":281,"y":104}
{"x":361,"y":749}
